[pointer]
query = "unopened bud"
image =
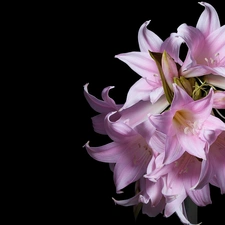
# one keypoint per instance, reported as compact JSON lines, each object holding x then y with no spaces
{"x":184,"y":83}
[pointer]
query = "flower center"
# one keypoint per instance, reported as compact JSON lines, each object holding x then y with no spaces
{"x":185,"y":122}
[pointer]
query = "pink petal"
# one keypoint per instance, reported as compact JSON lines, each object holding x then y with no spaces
{"x":208,"y":20}
{"x":107,"y":153}
{"x":148,"y":40}
{"x":140,"y":62}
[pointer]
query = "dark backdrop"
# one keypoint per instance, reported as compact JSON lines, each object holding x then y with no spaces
{"x":103,"y":31}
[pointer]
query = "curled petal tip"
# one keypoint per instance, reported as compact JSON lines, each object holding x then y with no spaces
{"x":86,"y":144}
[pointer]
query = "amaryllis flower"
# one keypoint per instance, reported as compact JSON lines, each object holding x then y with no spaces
{"x":206,"y":45}
{"x":129,"y":151}
{"x":149,"y":86}
{"x":168,"y":137}
{"x":188,"y":124}
{"x":179,"y":177}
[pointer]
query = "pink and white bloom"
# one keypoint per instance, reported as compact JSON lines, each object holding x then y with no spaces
{"x":188,"y":124}
{"x":206,"y":45}
{"x":149,"y":86}
{"x":166,"y":138}
{"x":129,"y":151}
{"x":179,"y":177}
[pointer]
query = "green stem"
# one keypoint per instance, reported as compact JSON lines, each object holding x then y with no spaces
{"x":192,"y":210}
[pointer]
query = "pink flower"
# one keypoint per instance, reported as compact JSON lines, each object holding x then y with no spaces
{"x":179,"y":177}
{"x":188,"y":124}
{"x":149,"y":86}
{"x":206,"y":44}
{"x":129,"y":151}
{"x":166,"y":137}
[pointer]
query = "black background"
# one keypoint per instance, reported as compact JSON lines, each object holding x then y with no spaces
{"x":103,"y":30}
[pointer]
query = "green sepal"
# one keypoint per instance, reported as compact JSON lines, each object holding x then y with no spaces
{"x":137,"y":209}
{"x":157,"y":57}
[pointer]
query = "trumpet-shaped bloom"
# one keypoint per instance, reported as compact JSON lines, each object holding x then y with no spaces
{"x":206,"y":44}
{"x":168,"y":137}
{"x":129,"y":151}
{"x":149,"y":86}
{"x":188,"y":124}
{"x":179,"y":178}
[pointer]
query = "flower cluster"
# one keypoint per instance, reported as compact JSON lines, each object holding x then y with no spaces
{"x":168,"y":138}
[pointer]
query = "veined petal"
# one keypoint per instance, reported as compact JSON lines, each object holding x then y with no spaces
{"x":172,"y":46}
{"x":130,"y":201}
{"x":192,"y":37}
{"x":156,"y":93}
{"x":215,"y":43}
{"x":208,"y":20}
{"x":99,"y":105}
{"x":140,"y":90}
{"x":181,"y":97}
{"x":132,"y":164}
{"x":205,"y":175}
{"x":154,"y":191}
{"x":162,"y":123}
{"x":217,"y":159}
{"x":119,"y":131}
{"x":157,"y":142}
{"x":147,"y":39}
{"x":201,"y":70}
{"x":108,"y":153}
{"x":218,"y":81}
{"x":201,"y":108}
{"x":140,"y":62}
{"x":146,"y":130}
{"x":212,"y":127}
{"x":138,"y":112}
{"x":200,"y":197}
{"x":174,"y":202}
{"x":173,"y":150}
{"x":98,"y":123}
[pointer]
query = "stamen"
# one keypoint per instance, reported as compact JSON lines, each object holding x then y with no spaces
{"x":213,"y":61}
{"x":189,"y":127}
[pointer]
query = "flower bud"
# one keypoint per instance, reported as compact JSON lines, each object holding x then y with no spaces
{"x":186,"y":84}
